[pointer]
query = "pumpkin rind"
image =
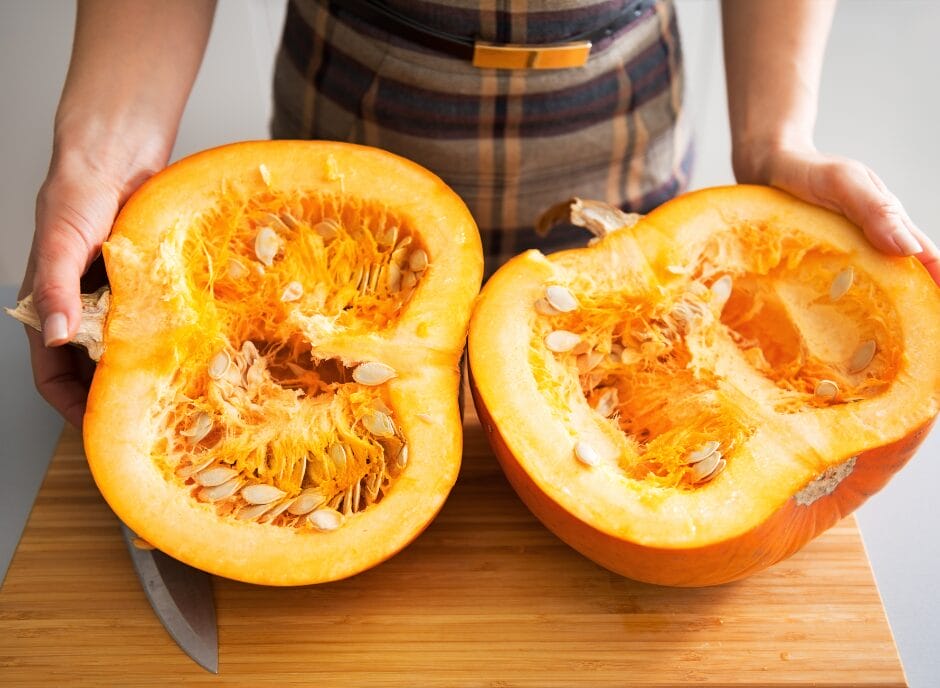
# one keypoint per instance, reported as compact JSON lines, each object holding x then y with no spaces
{"x":759,"y":509}
{"x":150,"y":335}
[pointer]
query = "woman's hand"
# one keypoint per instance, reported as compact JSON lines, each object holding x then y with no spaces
{"x":75,"y":209}
{"x":773,"y":62}
{"x":845,"y":186}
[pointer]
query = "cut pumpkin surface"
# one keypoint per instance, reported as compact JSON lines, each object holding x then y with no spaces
{"x":693,"y":398}
{"x":277,"y":397}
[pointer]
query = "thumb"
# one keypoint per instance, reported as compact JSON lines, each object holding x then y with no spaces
{"x":65,"y":243}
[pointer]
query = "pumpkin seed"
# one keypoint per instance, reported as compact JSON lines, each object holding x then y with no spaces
{"x":202,"y":425}
{"x":402,"y":459}
{"x":426,"y":417}
{"x":561,"y":299}
{"x":408,"y":280}
{"x":219,"y":365}
{"x":289,"y":220}
{"x":373,"y":373}
{"x":357,"y":495}
{"x":826,"y":389}
{"x":211,"y":477}
{"x":718,"y":469}
{"x":607,"y":402}
{"x":418,"y":261}
{"x":589,"y":361}
{"x":586,"y":454}
{"x":378,"y":423}
{"x":389,"y":236}
{"x":721,"y":290}
{"x":326,"y":519}
{"x":327,"y":228}
{"x":543,"y":307}
{"x":375,"y":277}
{"x":400,"y":257}
{"x":254,"y":376}
{"x":306,"y":501}
{"x":250,"y":513}
{"x":236,"y":270}
{"x":218,"y":492}
{"x":337,"y":454}
{"x":267,"y":245}
{"x":292,"y":292}
{"x":704,"y":468}
{"x":261,"y":494}
{"x":276,"y":511}
{"x":863,"y":356}
{"x":393,"y":278}
{"x":841,"y":283}
{"x":561,"y":341}
{"x":703,"y":452}
{"x":677,"y":269}
{"x":191,"y":469}
{"x":265,"y":174}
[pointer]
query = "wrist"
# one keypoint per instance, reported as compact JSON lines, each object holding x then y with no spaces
{"x":752,"y":155}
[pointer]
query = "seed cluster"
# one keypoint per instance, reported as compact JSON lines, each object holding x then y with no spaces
{"x":596,"y":363}
{"x":623,"y":352}
{"x":346,"y":449}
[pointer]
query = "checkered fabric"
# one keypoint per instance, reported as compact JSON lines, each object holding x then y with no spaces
{"x":511,"y":143}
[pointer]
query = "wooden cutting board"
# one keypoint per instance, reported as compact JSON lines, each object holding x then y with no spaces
{"x":485,"y":597}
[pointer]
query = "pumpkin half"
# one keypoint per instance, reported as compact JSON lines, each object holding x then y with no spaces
{"x":277,"y":397}
{"x":696,"y":396}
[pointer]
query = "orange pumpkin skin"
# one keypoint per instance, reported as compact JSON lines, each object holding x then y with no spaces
{"x":250,"y":284}
{"x":569,"y":498}
{"x":781,"y":535}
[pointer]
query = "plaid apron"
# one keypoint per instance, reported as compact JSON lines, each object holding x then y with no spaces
{"x":511,"y":143}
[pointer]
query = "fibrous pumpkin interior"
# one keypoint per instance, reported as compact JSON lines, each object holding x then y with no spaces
{"x":285,"y":348}
{"x":696,"y":371}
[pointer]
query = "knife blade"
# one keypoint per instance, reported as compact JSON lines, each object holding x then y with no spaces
{"x":181,"y":597}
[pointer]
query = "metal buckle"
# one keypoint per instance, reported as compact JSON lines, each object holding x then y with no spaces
{"x":558,"y":56}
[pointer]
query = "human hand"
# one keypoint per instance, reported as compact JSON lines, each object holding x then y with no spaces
{"x":847,"y":187}
{"x":75,"y":209}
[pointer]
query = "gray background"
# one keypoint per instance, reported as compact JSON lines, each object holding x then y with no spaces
{"x":880,"y":104}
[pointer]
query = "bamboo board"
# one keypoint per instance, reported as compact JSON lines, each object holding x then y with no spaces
{"x":485,"y":597}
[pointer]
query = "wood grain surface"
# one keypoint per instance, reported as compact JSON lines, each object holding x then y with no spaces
{"x":485,"y":597}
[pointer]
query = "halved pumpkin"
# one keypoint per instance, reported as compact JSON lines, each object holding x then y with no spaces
{"x":696,"y":396}
{"x":277,"y":397}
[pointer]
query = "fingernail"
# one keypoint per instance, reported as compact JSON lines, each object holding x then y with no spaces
{"x":906,"y":242}
{"x":55,"y":330}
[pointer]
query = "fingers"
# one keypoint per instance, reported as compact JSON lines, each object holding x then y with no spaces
{"x":930,"y":256}
{"x":852,"y":189}
{"x":61,"y":377}
{"x":855,"y":191}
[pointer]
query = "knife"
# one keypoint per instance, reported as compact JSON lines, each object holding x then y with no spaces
{"x":181,"y":597}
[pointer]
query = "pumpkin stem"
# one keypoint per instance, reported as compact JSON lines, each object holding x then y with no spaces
{"x":90,"y":329}
{"x":597,"y":217}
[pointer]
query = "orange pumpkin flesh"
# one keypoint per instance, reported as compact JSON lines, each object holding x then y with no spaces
{"x":816,"y":377}
{"x":249,"y":284}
